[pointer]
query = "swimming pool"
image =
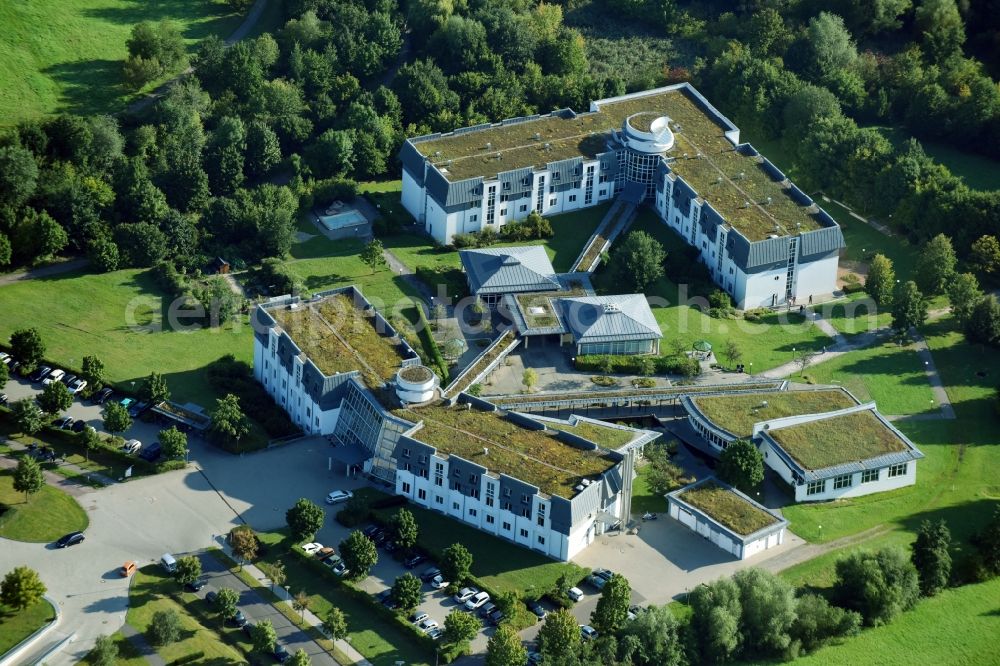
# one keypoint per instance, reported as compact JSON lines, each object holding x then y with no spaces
{"x":351,"y":218}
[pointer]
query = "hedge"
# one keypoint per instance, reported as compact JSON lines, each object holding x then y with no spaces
{"x":430,"y":346}
{"x":636,"y":365}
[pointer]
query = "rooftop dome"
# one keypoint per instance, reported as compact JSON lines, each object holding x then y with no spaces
{"x":648,"y":132}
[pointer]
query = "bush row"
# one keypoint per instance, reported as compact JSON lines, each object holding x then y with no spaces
{"x":437,"y":362}
{"x":639,"y":365}
{"x":533,"y":227}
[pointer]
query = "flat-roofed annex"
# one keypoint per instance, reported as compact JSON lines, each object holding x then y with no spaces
{"x":735,"y":184}
{"x":739,"y":413}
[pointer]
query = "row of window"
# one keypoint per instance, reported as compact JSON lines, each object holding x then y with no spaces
{"x":847,"y":480}
{"x":474,"y":513}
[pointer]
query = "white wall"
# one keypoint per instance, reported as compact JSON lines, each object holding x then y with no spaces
{"x":756,"y":290}
{"x":413,"y":197}
{"x":816,"y":278}
{"x":720,"y":538}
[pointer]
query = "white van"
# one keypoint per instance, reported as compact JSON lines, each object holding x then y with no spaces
{"x":168,"y":562}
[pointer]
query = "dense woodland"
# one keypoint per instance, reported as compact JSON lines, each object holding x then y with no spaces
{"x":223,"y":163}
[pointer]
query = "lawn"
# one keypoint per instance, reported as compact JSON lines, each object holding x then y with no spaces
{"x":764,"y":344}
{"x":66,"y":56}
{"x":151,"y":592}
{"x":47,"y":515}
{"x":891,"y":375}
{"x":15,"y":626}
{"x":959,"y":626}
{"x":957,"y":480}
{"x":128,"y":655}
{"x":643,"y":499}
{"x":119,"y":317}
{"x":379,"y":640}
{"x":497,"y":563}
{"x":859,"y":314}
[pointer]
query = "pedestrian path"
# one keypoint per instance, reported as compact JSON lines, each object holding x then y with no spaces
{"x":75,"y":485}
{"x":308,"y":616}
{"x":142,"y":646}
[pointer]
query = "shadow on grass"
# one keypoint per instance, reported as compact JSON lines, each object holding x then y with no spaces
{"x":87,"y":85}
{"x":208,"y":17}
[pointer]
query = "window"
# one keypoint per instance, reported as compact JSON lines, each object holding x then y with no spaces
{"x":473,"y":217}
{"x":439,"y":499}
{"x":422,"y":459}
{"x":506,"y":526}
{"x":524,"y":533}
{"x":506,"y":492}
{"x":842,"y":481}
{"x":422,"y":494}
{"x":455,"y":506}
{"x":406,"y":467}
{"x":490,"y":520}
{"x":503,"y":211}
{"x":541,"y":515}
{"x":526,"y":512}
{"x":897,"y":470}
{"x":572,"y":198}
{"x":604,"y":190}
{"x":472,"y":512}
{"x":523,"y":208}
{"x":541,"y":540}
{"x":406,"y":453}
{"x":506,"y":506}
{"x":869,"y":476}
{"x":438,"y":474}
{"x":816,"y":487}
{"x":525,"y":499}
{"x":491,"y":491}
{"x":406,"y":487}
{"x":552,"y":201}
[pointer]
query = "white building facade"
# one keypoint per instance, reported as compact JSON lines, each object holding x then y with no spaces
{"x":780,"y":269}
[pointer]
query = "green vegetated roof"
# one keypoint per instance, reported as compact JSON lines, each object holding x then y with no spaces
{"x":482,"y":362}
{"x":533,"y":456}
{"x":739,"y":413}
{"x":722,"y":176}
{"x":544,"y":300}
{"x":838,"y":439}
{"x":338,"y":337}
{"x":606,"y":436}
{"x":728,"y":508}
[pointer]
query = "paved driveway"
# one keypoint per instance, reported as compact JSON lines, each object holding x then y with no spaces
{"x":256,"y":609}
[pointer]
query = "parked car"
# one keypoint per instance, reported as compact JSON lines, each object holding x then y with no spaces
{"x":238,"y":618}
{"x":340,"y":569}
{"x":137,"y":409}
{"x":588,"y":632}
{"x":370,"y":530}
{"x":281,"y":654}
{"x":325,"y":553}
{"x":534,"y":658}
{"x":465,"y":594}
{"x":311,"y":548}
{"x":150,"y":453}
{"x":68,"y":379}
{"x":414,"y":560}
{"x":338,"y":496}
{"x":390,"y":602}
{"x":574,"y":593}
{"x":439,"y":583}
{"x":211,"y":597}
{"x":79,"y":425}
{"x":634,"y":610}
{"x":486,"y":609}
{"x":476,"y":600}
{"x":54,"y":376}
{"x":427,"y":624}
{"x":496,"y":617}
{"x":380,"y":538}
{"x":4,"y":358}
{"x":127,"y":569}
{"x":418,"y":616}
{"x":65,"y":423}
{"x":537,"y":608}
{"x":390,"y":546}
{"x":436,"y":633}
{"x":429,"y":574}
{"x":132,"y":446}
{"x":77,"y":386}
{"x":102,"y":396}
{"x":195,"y":585}
{"x":126,"y":402}
{"x":41,"y":373}
{"x":70,"y":539}
{"x":332,"y":561}
{"x":599,"y":578}
{"x":3,"y":399}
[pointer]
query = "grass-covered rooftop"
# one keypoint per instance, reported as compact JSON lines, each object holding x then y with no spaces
{"x":539,"y":308}
{"x":728,"y":508}
{"x":739,"y":413}
{"x":338,"y":337}
{"x":837,"y":440}
{"x":671,"y":391}
{"x":725,"y":178}
{"x":530,"y":455}
{"x":602,"y":435}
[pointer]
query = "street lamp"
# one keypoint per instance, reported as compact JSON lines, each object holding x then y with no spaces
{"x":751,"y":368}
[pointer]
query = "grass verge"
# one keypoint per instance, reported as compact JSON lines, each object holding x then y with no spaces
{"x":46,"y":516}
{"x":15,"y":626}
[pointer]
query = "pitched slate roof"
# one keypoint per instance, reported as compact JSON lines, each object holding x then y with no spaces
{"x":506,"y":270}
{"x":610,"y":318}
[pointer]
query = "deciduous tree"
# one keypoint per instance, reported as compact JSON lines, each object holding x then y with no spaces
{"x":817,"y":622}
{"x":460,"y":627}
{"x":264,"y":636}
{"x":987,"y":543}
{"x":93,"y":371}
{"x":741,"y":465}
{"x":984,"y":255}
{"x":227,"y":599}
{"x":983,"y":325}
{"x":359,"y":554}
{"x":154,"y":389}
{"x":406,"y":591}
{"x":505,"y":649}
{"x":299,"y":658}
{"x":304,"y":519}
{"x":935,"y":265}
{"x":879,"y":585}
{"x":28,"y":416}
{"x":456,"y":563}
{"x":301,"y":602}
{"x":909,"y":309}
{"x":54,"y":398}
{"x":27,"y":347}
{"x":715,"y":620}
{"x":403,"y":527}
{"x":244,"y":543}
{"x":637,"y":261}
{"x":28,"y":478}
{"x":116,"y":418}
{"x":657,"y":636}
{"x":612,"y":607}
{"x":559,"y":635}
{"x":228,"y":420}
{"x":768,"y":611}
{"x":164,"y":628}
{"x":929,"y":554}
{"x":335,"y":624}
{"x":173,"y":443}
{"x":529,"y":378}
{"x":964,"y":294}
{"x":374,"y":255}
{"x":21,"y":588}
{"x":881,"y":280}
{"x":188,"y":569}
{"x":104,"y":653}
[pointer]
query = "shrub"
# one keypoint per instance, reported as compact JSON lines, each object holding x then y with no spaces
{"x":227,"y":375}
{"x":878,"y":585}
{"x":636,"y":365}
{"x":604,"y":380}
